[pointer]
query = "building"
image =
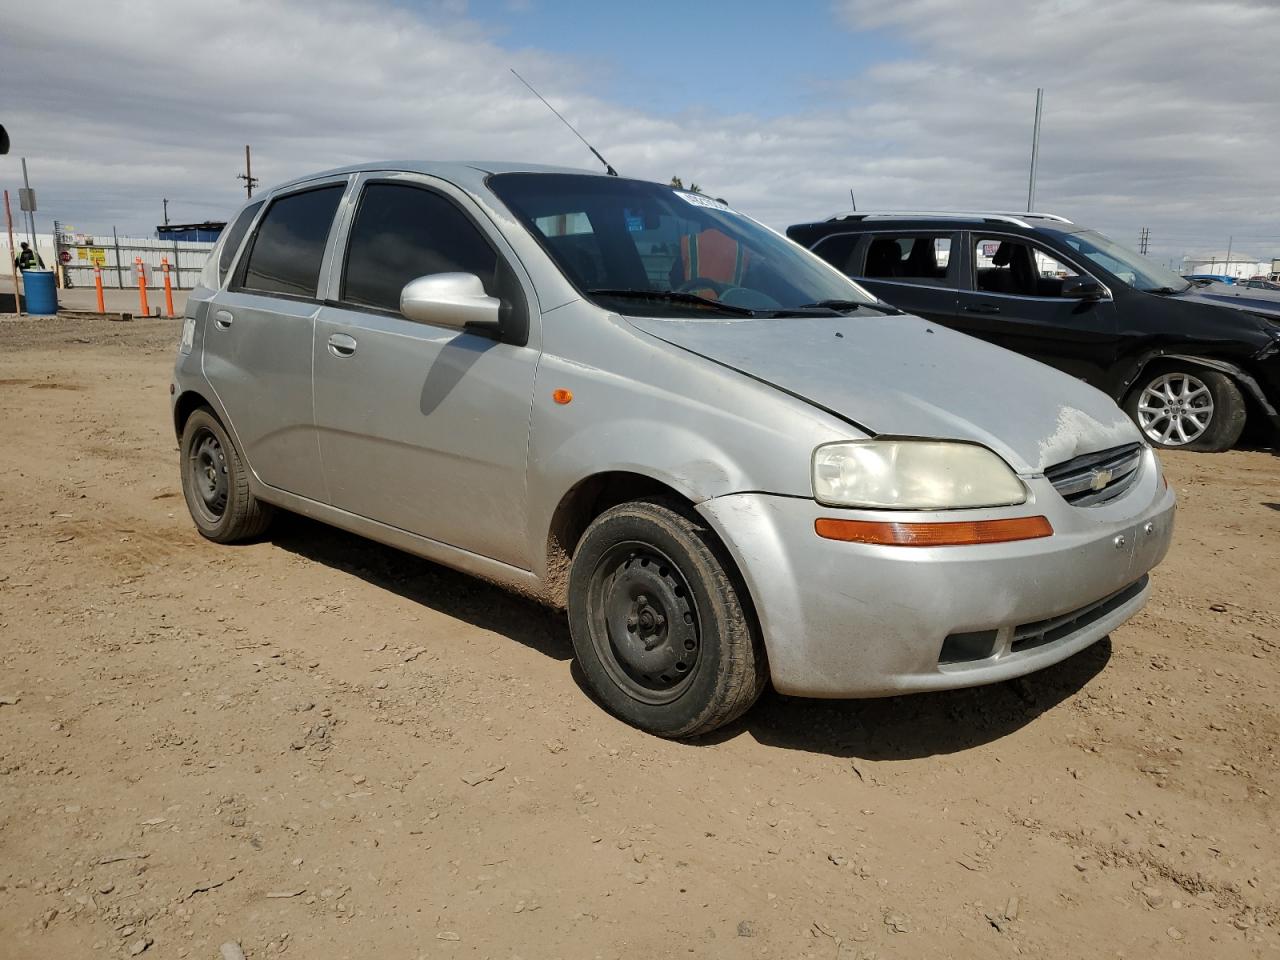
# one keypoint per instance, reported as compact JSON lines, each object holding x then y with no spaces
{"x":1230,"y":263}
{"x":191,"y":232}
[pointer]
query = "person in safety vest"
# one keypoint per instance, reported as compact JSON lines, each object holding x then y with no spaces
{"x":710,"y":262}
{"x":27,"y":259}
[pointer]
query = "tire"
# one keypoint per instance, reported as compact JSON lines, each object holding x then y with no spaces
{"x":1208,"y":409}
{"x":216,"y":484}
{"x":661,"y":623}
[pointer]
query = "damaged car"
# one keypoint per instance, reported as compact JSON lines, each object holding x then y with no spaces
{"x":727,"y":461}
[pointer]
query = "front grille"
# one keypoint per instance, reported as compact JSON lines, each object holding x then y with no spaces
{"x":1096,"y":477}
{"x":1032,"y":635}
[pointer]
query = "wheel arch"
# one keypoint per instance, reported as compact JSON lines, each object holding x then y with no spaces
{"x":1243,"y":379}
{"x":580,"y":505}
{"x":188,"y":402}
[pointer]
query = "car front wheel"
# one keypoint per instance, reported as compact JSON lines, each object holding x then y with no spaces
{"x":1188,"y":408}
{"x":660,"y":622}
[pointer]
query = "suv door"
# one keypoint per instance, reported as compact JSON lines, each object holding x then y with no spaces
{"x":257,"y":346}
{"x":913,"y":270}
{"x":1014,"y":299}
{"x":425,"y":428}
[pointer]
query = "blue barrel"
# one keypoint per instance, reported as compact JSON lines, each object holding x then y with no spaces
{"x":42,"y":292}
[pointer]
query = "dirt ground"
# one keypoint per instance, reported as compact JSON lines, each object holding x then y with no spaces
{"x":321,"y":747}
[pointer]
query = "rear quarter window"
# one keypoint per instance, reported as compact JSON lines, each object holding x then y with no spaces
{"x":232,"y":237}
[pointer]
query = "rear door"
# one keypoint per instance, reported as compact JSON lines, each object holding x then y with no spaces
{"x":1014,"y":299}
{"x":257,"y":347}
{"x":422,"y":427}
{"x":913,"y":270}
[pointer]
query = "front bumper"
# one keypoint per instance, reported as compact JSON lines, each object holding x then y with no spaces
{"x":857,"y":620}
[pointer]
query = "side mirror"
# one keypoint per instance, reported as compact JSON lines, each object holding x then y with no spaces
{"x":1082,"y":288}
{"x":450,"y":300}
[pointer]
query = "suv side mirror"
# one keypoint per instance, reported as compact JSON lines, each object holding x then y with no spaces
{"x":450,"y":300}
{"x":1082,"y":288}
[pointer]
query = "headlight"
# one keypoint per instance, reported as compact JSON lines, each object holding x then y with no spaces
{"x":913,"y":475}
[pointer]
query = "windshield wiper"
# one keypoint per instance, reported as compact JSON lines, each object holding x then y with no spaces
{"x":673,"y":296}
{"x":847,"y":305}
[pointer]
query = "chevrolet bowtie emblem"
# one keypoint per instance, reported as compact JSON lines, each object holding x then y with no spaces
{"x":1100,"y":479}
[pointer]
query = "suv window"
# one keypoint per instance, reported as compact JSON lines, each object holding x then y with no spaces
{"x":1005,"y":265}
{"x":839,"y":250}
{"x":401,"y":233}
{"x":234,"y":235}
{"x":917,"y":258}
{"x":288,"y":248}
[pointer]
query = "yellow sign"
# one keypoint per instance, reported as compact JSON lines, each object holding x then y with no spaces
{"x":98,"y":256}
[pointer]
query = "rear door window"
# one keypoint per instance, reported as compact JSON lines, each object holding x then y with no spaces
{"x":288,"y":249}
{"x":922,"y":258}
{"x":401,"y":233}
{"x":235,"y":234}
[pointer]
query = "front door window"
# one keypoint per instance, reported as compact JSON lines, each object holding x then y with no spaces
{"x":1005,"y":265}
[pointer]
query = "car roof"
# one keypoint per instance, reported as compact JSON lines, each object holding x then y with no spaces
{"x":462,"y":172}
{"x":862,"y":222}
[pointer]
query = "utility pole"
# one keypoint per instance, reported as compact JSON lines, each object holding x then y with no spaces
{"x":1035,"y":152}
{"x":165,"y":201}
{"x":30,"y":205}
{"x":1226,"y":266}
{"x":1144,"y":240}
{"x":250,"y":181}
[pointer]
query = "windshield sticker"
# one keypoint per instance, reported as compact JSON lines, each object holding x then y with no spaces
{"x":701,"y":200}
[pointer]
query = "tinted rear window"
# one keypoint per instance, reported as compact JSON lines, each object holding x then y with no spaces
{"x":233,"y":237}
{"x":289,"y":245}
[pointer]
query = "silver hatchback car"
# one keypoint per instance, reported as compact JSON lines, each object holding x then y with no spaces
{"x":729,"y":462}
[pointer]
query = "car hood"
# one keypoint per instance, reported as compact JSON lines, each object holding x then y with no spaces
{"x":902,"y":376}
{"x":1229,"y":295}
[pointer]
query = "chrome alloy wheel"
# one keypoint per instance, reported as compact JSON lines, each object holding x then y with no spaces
{"x":1175,"y":409}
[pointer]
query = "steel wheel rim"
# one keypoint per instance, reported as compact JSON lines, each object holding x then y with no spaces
{"x":207,"y":475}
{"x":644,"y":623}
{"x":1175,"y":409}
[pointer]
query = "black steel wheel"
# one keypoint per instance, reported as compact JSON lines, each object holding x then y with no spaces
{"x":660,"y":622}
{"x":216,"y":484}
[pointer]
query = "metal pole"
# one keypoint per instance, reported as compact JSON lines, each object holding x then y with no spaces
{"x":166,"y":210}
{"x":1226,"y":267}
{"x":119,"y":265}
{"x":177,"y":266}
{"x":852,"y":201}
{"x":1035,"y":152}
{"x":13,"y":262}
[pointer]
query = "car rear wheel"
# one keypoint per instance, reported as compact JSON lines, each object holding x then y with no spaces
{"x":660,"y":623}
{"x":1188,"y":408}
{"x":216,"y":484}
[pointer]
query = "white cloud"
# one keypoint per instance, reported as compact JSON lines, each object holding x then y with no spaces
{"x":1157,"y":114}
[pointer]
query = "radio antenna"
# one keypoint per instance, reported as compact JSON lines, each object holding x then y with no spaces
{"x":607,"y":166}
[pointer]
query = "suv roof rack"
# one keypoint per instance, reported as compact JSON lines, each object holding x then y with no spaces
{"x":989,"y":216}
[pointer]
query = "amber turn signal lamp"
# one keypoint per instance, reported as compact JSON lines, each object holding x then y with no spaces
{"x":948,"y":533}
{"x":562,"y":395}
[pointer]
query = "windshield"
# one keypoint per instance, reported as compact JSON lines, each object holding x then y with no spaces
{"x":1133,"y":268}
{"x":649,"y":250}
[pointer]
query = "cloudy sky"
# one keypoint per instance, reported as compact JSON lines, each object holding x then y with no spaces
{"x":1158,"y":113}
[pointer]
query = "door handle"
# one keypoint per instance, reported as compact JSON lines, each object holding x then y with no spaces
{"x":341,"y":345}
{"x":222,"y":318}
{"x":986,"y":308}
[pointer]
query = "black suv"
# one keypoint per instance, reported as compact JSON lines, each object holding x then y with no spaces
{"x":1188,"y":369}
